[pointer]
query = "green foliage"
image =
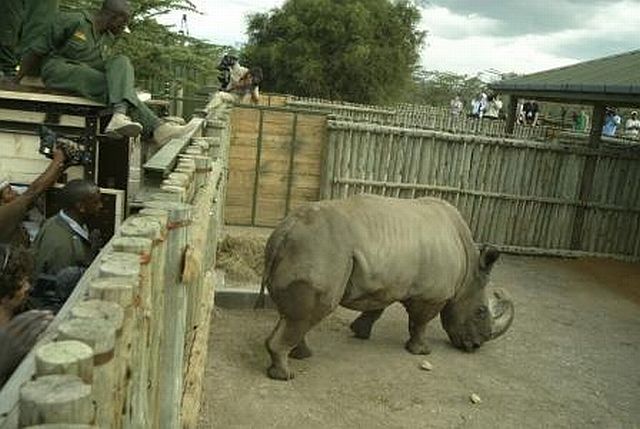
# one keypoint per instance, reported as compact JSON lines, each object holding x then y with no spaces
{"x":438,"y":88}
{"x":360,"y":50}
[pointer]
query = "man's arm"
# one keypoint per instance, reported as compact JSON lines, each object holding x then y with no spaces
{"x":255,"y":95}
{"x":11,"y":214}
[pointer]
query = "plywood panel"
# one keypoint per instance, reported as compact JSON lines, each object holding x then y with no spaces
{"x":291,"y":149}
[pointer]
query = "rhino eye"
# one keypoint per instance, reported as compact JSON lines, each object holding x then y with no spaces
{"x":482,"y":312}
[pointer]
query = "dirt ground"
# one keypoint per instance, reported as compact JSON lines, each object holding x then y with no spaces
{"x":571,"y":359}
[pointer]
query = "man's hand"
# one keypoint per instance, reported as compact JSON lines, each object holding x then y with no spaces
{"x":18,"y":337}
{"x":59,"y":156}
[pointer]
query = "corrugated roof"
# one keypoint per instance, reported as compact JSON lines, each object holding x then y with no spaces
{"x":614,"y":75}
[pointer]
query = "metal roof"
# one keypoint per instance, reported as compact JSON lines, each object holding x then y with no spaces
{"x":614,"y":78}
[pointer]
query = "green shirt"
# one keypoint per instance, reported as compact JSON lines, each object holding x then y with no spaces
{"x":72,"y":36}
{"x":57,"y":246}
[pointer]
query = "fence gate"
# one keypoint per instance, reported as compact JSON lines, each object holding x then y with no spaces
{"x":275,"y":163}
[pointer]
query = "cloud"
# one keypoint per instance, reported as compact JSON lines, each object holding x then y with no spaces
{"x":469,"y":36}
{"x":468,"y":44}
{"x":517,"y":17}
{"x":221,"y":22}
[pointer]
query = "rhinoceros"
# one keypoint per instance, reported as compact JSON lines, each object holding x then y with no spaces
{"x":367,"y":252}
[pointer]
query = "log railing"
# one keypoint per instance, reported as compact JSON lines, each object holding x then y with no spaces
{"x":128,"y":348}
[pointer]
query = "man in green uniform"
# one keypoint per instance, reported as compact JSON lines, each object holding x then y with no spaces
{"x":22,"y":22}
{"x":64,"y":244}
{"x":77,"y":60}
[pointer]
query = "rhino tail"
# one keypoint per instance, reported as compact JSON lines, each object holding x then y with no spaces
{"x":274,"y":244}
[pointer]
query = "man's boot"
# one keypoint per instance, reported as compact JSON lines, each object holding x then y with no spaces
{"x":167,"y":131}
{"x":122,"y":126}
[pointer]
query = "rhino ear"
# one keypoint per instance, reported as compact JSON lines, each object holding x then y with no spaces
{"x":488,"y":256}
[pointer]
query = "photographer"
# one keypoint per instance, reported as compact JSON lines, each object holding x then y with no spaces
{"x":13,"y":207}
{"x":17,"y":334}
{"x":239,"y":84}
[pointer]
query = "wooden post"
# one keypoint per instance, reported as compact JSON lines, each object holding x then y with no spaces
{"x":65,"y":357}
{"x":586,"y":181}
{"x":152,"y":223}
{"x":121,"y":267}
{"x":62,"y":426}
{"x":140,"y":247}
{"x":172,"y":356}
{"x":100,"y":335}
{"x":56,"y":399}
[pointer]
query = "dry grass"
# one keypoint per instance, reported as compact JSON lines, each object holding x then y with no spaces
{"x":241,"y":256}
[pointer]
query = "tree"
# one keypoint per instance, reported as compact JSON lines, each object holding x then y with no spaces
{"x":438,"y":88}
{"x":359,"y":50}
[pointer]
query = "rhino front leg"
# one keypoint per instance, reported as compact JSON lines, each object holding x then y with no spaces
{"x":420,"y":312}
{"x":361,"y":327}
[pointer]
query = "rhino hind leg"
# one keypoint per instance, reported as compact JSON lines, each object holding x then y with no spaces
{"x":361,"y":327}
{"x":301,"y":351}
{"x":285,"y":339}
{"x":420,"y":312}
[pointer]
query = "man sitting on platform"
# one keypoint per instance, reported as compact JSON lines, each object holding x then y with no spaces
{"x":76,"y":47}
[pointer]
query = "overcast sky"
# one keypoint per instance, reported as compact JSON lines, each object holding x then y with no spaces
{"x":471,"y":36}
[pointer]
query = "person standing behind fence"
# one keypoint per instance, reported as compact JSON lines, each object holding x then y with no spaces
{"x":611,"y":122}
{"x":531,"y":112}
{"x":580,"y":121}
{"x":457,"y":106}
{"x":632,"y":126}
{"x":493,"y":107}
{"x":64,"y":247}
{"x":76,"y":47}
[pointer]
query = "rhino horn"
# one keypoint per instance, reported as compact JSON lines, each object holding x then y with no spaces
{"x":502,"y":311}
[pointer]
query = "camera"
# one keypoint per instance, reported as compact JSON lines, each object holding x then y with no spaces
{"x":75,"y":150}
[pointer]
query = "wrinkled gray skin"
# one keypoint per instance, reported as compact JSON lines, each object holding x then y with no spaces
{"x":367,"y":252}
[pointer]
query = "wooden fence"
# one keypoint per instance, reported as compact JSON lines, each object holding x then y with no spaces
{"x":422,"y":117}
{"x":524,"y":196}
{"x":275,"y":163}
{"x":129,"y":347}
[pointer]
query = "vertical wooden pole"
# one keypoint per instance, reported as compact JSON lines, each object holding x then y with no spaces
{"x":256,"y":180}
{"x":292,"y":156}
{"x":172,"y":356}
{"x":588,"y":173}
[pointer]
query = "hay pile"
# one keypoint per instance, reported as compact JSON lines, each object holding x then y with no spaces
{"x":242,"y":257}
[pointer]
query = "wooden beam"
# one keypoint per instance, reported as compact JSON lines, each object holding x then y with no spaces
{"x":256,"y":179}
{"x":512,"y":114}
{"x":164,"y":161}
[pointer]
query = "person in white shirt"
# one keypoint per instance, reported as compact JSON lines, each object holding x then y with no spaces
{"x":632,"y":126}
{"x":493,"y":107}
{"x":456,"y":106}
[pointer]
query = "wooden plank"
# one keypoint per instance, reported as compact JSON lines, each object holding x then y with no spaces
{"x":256,"y":182}
{"x":165,"y":160}
{"x":47,"y":98}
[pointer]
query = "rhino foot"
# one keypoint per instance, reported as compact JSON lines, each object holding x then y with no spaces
{"x":301,"y":351}
{"x":417,"y":347}
{"x":361,"y":329}
{"x":279,"y":373}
